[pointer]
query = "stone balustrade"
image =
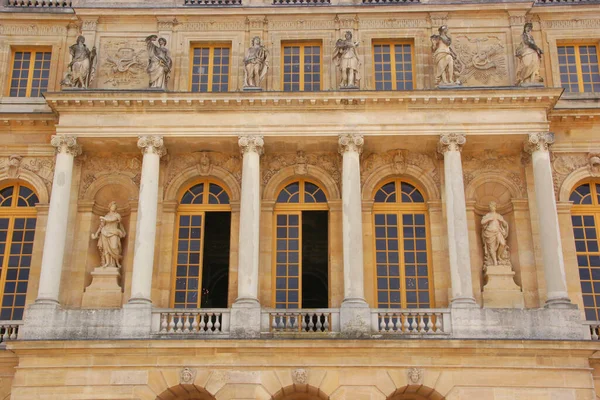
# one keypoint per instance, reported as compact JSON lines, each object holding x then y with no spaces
{"x":301,"y":320}
{"x":190,"y":321}
{"x":9,"y":330}
{"x":411,"y":322}
{"x":594,"y":327}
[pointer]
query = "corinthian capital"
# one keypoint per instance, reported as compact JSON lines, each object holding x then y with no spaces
{"x":351,"y":142}
{"x":251,"y":143}
{"x":151,"y":144}
{"x":66,"y":144}
{"x":451,"y":142}
{"x":539,"y":141}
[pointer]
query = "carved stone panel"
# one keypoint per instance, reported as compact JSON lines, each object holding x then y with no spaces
{"x":122,"y":64}
{"x":565,"y":163}
{"x":96,"y":166}
{"x":482,"y":60}
{"x":478,"y":164}
{"x":271,"y":164}
{"x":41,"y":166}
{"x":204,"y":162}
{"x":400,"y":160}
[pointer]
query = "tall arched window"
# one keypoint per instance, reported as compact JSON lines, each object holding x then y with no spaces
{"x":301,"y":278}
{"x":17,"y":231}
{"x":201,"y":271}
{"x":402,"y":256}
{"x":586,"y":223}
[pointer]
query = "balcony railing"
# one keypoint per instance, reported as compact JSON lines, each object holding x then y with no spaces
{"x":594,"y":327}
{"x":411,"y":322}
{"x":9,"y":330}
{"x":190,"y":321}
{"x":323,"y":320}
{"x":38,"y":4}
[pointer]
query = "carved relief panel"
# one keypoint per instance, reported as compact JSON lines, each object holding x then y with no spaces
{"x":483,"y":60}
{"x":122,"y":64}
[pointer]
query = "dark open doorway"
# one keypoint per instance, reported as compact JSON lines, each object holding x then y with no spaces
{"x":315,"y":259}
{"x":215,"y":265}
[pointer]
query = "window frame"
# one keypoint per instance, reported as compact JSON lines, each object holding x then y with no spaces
{"x":296,"y":209}
{"x":577,"y":45}
{"x":211,"y":46}
{"x":393,"y":43}
{"x":302,"y":44}
{"x":33,"y":50}
{"x":401,"y":208}
{"x":191,"y":210}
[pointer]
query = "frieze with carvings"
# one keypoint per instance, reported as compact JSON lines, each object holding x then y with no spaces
{"x":399,"y":160}
{"x":272,"y":164}
{"x":509,"y":166}
{"x":95,"y":167}
{"x":483,"y":61}
{"x":40,"y":166}
{"x":204,"y":161}
{"x":564,"y":164}
{"x":210,"y":26}
{"x":392,"y":23}
{"x":572,"y":24}
{"x":31,"y":30}
{"x":123,"y":64}
{"x":302,"y":24}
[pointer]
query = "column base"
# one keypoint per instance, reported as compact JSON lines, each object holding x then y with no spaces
{"x":139,"y":300}
{"x":560,"y":302}
{"x":47,"y":301}
{"x":245,"y":318}
{"x":463,"y":302}
{"x":355,"y":318}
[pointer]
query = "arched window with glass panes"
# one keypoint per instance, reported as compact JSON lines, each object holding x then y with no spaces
{"x":585,"y":216}
{"x":201,"y":265}
{"x":301,"y":278}
{"x":17,"y":232}
{"x":402,"y":251}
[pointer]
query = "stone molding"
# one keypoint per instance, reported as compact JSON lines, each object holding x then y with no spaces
{"x":66,"y":144}
{"x":451,"y":142}
{"x":152,"y":144}
{"x":251,"y":143}
{"x":540,"y":141}
{"x":351,"y":142}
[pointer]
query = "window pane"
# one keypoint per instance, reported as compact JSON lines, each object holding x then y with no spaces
{"x":288,"y":261}
{"x":189,"y":259}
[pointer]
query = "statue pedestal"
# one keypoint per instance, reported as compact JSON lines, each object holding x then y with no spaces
{"x":104,"y":291}
{"x":252,"y":89}
{"x":501,"y":291}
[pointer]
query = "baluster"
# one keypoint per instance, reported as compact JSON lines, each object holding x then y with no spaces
{"x":397,"y":322}
{"x":186,"y":324}
{"x":202,"y":322}
{"x":438,"y":322}
{"x":326,"y":323}
{"x":319,"y":324}
{"x":430,"y":323}
{"x":405,"y":324}
{"x":413,"y":324}
{"x":304,"y":324}
{"x":388,"y":322}
{"x":5,"y":335}
{"x":218,"y":317}
{"x":295,"y":321}
{"x":273,"y":322}
{"x":209,"y":323}
{"x":381,"y":322}
{"x":311,"y":323}
{"x":195,"y":322}
{"x":171,"y":324}
{"x":179,"y":326}
{"x":594,"y":332}
{"x":163,"y":323}
{"x":13,"y":332}
{"x":421,"y":318}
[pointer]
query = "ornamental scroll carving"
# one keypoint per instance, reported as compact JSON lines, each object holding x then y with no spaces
{"x":483,"y":60}
{"x":508,"y":166}
{"x":123,"y":64}
{"x":400,"y":160}
{"x":329,"y":162}
{"x":563,"y":164}
{"x":204,"y":161}
{"x":40,"y":166}
{"x":96,"y":167}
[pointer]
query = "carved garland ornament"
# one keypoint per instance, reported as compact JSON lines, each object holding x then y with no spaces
{"x":205,"y":162}
{"x":491,"y":162}
{"x":96,"y":167}
{"x":400,"y":160}
{"x":563,"y":164}
{"x":301,"y":161}
{"x":43,"y":167}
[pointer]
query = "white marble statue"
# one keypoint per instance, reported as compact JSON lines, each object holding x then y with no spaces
{"x":529,"y":56}
{"x":346,"y":59}
{"x":159,"y":62}
{"x":255,"y":64}
{"x":494,"y":233}
{"x":445,"y":60}
{"x":109,"y":235}
{"x":82,"y":68}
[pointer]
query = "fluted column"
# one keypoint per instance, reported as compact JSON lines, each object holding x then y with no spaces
{"x":251,"y":148}
{"x":450,"y":146}
{"x":143,"y":257}
{"x":350,"y":146}
{"x":56,"y":231}
{"x":554,"y":265}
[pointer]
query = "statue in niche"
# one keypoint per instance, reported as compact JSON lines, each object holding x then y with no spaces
{"x":109,"y":235}
{"x":446,"y":64}
{"x":494,"y":233}
{"x":346,"y":59}
{"x":159,"y":62}
{"x":82,"y":68}
{"x":255,"y":64}
{"x":529,"y":56}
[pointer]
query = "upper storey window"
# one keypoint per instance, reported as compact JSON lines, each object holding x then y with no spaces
{"x":302,"y":67}
{"x":578,"y":66}
{"x":210,"y":68}
{"x":393,"y":63}
{"x":30,"y":73}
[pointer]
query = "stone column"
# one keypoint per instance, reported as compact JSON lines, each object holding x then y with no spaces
{"x":354,"y":314}
{"x":56,"y":231}
{"x":143,"y":257}
{"x":245,"y":313}
{"x":552,"y":255}
{"x":450,"y":146}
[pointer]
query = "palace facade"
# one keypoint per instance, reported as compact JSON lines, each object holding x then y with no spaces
{"x":299,"y":200}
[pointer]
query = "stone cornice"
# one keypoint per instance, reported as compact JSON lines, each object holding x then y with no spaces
{"x":155,"y":101}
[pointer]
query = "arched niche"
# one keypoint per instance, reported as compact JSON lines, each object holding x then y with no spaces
{"x":415,"y":392}
{"x":288,"y":174}
{"x":185,"y":392}
{"x":300,"y":392}
{"x":492,"y":187}
{"x":187,"y":176}
{"x":414,"y":173}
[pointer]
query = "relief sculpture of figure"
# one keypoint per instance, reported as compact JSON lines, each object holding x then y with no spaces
{"x":446,"y":64}
{"x":255,"y":64}
{"x":494,"y":232}
{"x":109,"y":235}
{"x":159,"y":62}
{"x":346,"y":59}
{"x":529,"y":55}
{"x":82,"y":68}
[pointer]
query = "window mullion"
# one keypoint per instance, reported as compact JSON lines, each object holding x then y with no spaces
{"x":301,"y":68}
{"x":8,"y":243}
{"x":201,"y":258}
{"x":402,"y":262}
{"x":30,"y":74}
{"x":579,"y":71}
{"x":209,"y":72}
{"x":393,"y":66}
{"x":299,"y":259}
